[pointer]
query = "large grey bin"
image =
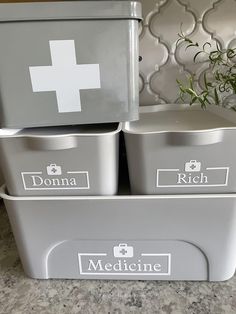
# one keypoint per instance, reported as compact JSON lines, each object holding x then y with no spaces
{"x":172,"y":237}
{"x":71,"y":62}
{"x":72,"y":160}
{"x":182,"y":149}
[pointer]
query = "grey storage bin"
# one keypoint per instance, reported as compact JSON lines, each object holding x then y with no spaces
{"x":172,"y":237}
{"x":72,"y":160}
{"x":182,"y":149}
{"x":71,"y":62}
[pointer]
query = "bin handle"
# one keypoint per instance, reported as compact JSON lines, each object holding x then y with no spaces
{"x":52,"y":142}
{"x":195,"y":138}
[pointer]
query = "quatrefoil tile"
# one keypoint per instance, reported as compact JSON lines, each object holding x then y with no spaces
{"x":199,"y":7}
{"x":148,"y":97}
{"x":150,"y":7}
{"x":153,"y":54}
{"x":185,"y":56}
{"x":175,"y":14}
{"x":162,"y":62}
{"x":163,"y":82}
{"x":221,"y":21}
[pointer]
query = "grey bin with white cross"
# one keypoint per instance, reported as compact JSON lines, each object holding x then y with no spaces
{"x":71,"y":62}
{"x":70,"y":160}
{"x":182,"y":149}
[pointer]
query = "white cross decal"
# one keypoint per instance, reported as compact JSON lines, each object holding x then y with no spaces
{"x":65,"y":76}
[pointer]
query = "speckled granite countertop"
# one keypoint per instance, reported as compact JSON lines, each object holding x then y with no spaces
{"x":19,"y":294}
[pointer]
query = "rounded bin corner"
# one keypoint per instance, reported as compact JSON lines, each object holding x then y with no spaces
{"x":3,"y":192}
{"x":224,"y":278}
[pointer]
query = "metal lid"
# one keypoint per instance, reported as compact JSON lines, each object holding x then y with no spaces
{"x":70,"y":10}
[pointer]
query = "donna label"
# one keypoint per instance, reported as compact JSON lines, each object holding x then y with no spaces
{"x":53,"y":177}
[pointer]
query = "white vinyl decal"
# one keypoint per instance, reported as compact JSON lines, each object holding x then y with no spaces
{"x":54,"y":178}
{"x":193,"y":174}
{"x":65,"y":76}
{"x":124,"y":262}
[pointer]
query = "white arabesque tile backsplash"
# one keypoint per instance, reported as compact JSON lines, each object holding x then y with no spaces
{"x":162,"y":62}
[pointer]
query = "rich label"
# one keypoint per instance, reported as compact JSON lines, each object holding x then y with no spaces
{"x":192,"y":175}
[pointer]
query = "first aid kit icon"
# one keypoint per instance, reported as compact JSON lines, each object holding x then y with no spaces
{"x":123,"y":250}
{"x":54,"y":170}
{"x":192,"y":166}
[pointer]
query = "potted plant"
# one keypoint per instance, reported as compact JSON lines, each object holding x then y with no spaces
{"x":218,"y":88}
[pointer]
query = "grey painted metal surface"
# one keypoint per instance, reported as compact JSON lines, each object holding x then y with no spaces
{"x":182,"y":149}
{"x":73,"y":62}
{"x":71,"y":160}
{"x":174,"y":237}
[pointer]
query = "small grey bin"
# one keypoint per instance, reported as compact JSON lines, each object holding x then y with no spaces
{"x":71,"y":62}
{"x":172,"y":237}
{"x":182,"y":149}
{"x":75,"y":160}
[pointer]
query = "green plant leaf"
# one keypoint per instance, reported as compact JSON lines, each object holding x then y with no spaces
{"x":215,"y":57}
{"x":191,"y":92}
{"x":216,"y":97}
{"x":231,"y":53}
{"x":218,"y":47}
{"x":206,"y":44}
{"x":193,"y":100}
{"x":223,"y":73}
{"x":196,"y":55}
{"x":205,"y":98}
{"x":203,"y":105}
{"x":205,"y":81}
{"x":191,"y":45}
